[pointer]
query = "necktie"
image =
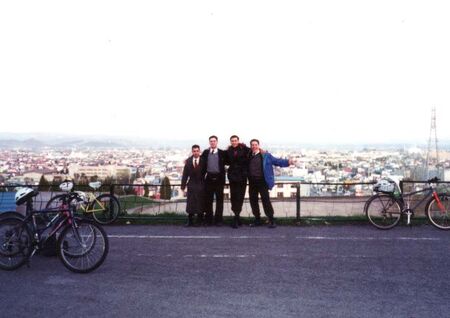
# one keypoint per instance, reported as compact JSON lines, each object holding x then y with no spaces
{"x":195,"y":163}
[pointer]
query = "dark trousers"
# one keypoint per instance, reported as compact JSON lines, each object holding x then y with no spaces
{"x":259,"y":186}
{"x":213,"y":188}
{"x":237,"y":194}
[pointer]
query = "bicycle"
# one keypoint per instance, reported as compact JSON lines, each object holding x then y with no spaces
{"x":385,"y":209}
{"x":104,"y":208}
{"x":82,"y":245}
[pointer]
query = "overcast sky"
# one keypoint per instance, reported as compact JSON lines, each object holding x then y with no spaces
{"x":305,"y":71}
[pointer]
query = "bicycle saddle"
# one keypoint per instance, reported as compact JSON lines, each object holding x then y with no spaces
{"x":95,"y":185}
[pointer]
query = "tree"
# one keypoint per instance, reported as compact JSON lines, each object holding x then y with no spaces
{"x":166,"y":189}
{"x":55,"y":186}
{"x":44,"y":185}
{"x":138,"y":174}
{"x":109,"y":181}
{"x":146,"y":190}
{"x":83,"y":180}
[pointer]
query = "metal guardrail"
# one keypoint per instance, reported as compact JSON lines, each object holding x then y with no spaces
{"x":304,"y":200}
{"x":137,"y":198}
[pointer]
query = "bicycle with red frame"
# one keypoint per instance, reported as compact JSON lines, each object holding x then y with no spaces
{"x":386,"y":208}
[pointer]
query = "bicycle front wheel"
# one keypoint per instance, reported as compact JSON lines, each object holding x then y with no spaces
{"x":383,"y":211}
{"x":439,"y":212}
{"x":105,"y":209}
{"x":83,"y":246}
{"x":15,"y":243}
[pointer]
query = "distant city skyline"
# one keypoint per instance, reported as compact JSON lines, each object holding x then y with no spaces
{"x":292,"y":72}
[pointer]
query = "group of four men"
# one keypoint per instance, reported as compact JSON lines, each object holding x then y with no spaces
{"x":204,"y":178}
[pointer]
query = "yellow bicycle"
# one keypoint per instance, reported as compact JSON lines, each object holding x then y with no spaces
{"x":104,"y":208}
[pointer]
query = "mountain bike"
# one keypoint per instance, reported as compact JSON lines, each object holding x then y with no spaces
{"x":385,"y":209}
{"x":104,"y":208}
{"x":82,"y":245}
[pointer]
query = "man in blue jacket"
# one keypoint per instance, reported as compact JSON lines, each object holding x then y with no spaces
{"x":261,"y":180}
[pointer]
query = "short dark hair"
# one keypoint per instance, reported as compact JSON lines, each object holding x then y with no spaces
{"x":213,"y":136}
{"x":195,"y":147}
{"x":234,"y":136}
{"x":257,"y":141}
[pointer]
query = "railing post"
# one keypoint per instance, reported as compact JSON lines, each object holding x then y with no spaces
{"x":297,"y":197}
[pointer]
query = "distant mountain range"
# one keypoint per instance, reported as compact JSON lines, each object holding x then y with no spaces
{"x":41,"y":141}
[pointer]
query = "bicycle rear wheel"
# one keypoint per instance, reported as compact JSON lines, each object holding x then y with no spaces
{"x":105,"y":209}
{"x":11,"y":214}
{"x":15,"y":243}
{"x":383,"y":211}
{"x":83,"y":246}
{"x":439,"y":214}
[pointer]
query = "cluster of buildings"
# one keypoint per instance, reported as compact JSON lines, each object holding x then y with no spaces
{"x":334,"y":172}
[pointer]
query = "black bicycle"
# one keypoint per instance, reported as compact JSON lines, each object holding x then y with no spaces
{"x":385,"y":209}
{"x":82,"y":245}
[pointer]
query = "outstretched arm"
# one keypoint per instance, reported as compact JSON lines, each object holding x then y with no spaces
{"x":280,"y":162}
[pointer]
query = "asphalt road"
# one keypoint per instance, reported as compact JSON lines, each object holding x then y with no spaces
{"x":172,"y":271}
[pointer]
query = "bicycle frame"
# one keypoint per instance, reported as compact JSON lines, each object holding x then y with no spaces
{"x":92,"y":199}
{"x":63,"y":217}
{"x":409,"y":211}
{"x":429,"y":192}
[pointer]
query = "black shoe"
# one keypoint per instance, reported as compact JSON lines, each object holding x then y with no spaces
{"x":256,"y":223}
{"x":200,"y":220}
{"x":272,"y":224}
{"x":190,"y":221}
{"x":235,"y":222}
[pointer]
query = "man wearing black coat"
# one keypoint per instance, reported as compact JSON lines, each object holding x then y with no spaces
{"x":214,"y":161}
{"x":238,"y":157}
{"x":193,"y":178}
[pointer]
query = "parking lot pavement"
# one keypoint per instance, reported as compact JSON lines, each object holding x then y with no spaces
{"x":172,"y":271}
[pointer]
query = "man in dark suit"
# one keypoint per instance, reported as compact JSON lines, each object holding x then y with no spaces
{"x":214,"y":160}
{"x":193,"y":178}
{"x":238,"y":155}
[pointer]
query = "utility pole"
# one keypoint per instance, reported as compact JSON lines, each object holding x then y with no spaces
{"x":432,"y":143}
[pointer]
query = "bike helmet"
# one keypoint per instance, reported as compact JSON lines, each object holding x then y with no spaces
{"x":384,"y":186}
{"x":66,"y":186}
{"x":24,"y":194}
{"x":95,"y":185}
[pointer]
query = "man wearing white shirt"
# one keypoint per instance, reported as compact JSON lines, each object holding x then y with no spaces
{"x":193,"y":178}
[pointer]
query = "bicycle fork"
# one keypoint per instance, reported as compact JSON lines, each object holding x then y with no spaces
{"x":439,"y":203}
{"x":409,"y":213}
{"x":77,"y":235}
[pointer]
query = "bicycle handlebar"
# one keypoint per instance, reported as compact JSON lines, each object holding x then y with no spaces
{"x":433,"y":180}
